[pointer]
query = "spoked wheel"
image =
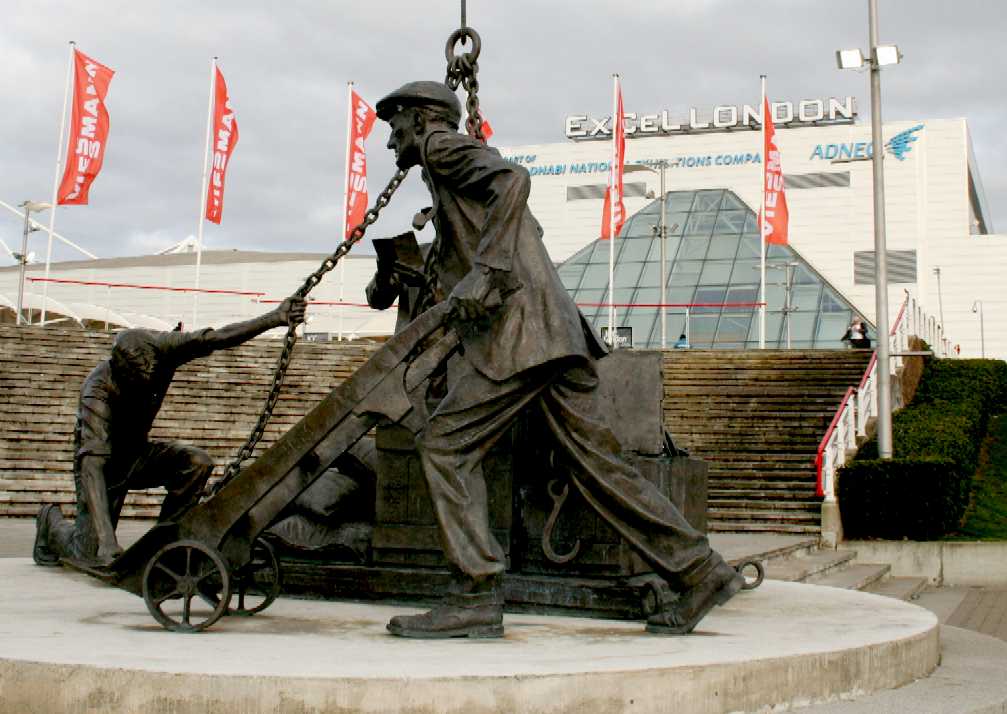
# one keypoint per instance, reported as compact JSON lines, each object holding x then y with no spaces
{"x":753,"y":579}
{"x":186,"y":586}
{"x":255,"y":585}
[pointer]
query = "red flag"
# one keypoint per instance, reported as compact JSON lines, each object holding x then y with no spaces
{"x":362,"y":118}
{"x":774,"y":227}
{"x":487,"y":129}
{"x":224,"y":137}
{"x":613,"y":194}
{"x":88,"y":133}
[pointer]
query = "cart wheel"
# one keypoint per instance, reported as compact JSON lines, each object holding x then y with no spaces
{"x":760,"y":574}
{"x":180,"y":582}
{"x":257,"y":584}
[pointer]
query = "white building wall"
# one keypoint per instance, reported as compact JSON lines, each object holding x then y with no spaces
{"x":274,"y":275}
{"x":926,"y":204}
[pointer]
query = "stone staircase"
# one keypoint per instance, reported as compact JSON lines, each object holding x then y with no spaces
{"x":806,"y":562}
{"x":213,"y":403}
{"x":757,"y":418}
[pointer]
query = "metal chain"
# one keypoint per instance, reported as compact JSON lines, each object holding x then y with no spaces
{"x":462,"y":70}
{"x":291,"y":337}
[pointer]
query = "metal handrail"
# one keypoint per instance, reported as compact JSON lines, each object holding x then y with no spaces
{"x":141,"y":286}
{"x":824,"y":458}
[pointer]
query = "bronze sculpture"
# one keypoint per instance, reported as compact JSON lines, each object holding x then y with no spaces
{"x":118,"y":403}
{"x":526,"y":346}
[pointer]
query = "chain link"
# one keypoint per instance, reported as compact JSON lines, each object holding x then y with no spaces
{"x":290,"y":339}
{"x":462,"y":70}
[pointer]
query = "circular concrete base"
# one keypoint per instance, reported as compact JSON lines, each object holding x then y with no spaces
{"x":71,"y":644}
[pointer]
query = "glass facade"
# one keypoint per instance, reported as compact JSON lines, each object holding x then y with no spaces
{"x":712,"y":263}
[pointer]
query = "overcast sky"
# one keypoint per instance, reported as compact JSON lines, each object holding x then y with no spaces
{"x":287,"y":65}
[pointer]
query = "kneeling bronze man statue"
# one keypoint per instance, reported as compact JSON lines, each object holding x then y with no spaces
{"x":112,"y":452}
{"x":531,"y":351}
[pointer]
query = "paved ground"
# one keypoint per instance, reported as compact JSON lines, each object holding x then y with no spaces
{"x":981,"y":610}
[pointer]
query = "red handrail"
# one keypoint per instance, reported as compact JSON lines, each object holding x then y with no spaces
{"x":825,"y":440}
{"x":902,"y":311}
{"x":137,"y":286}
{"x":670,"y":304}
{"x":867,"y":372}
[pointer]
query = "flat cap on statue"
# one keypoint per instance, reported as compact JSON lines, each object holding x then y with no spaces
{"x":422,"y":93}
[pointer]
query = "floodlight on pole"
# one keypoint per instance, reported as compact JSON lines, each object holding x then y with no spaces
{"x":850,"y":59}
{"x":880,"y":55}
{"x":22,"y":259}
{"x":662,"y":234}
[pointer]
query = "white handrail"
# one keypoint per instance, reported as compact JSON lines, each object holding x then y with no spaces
{"x":860,"y":404}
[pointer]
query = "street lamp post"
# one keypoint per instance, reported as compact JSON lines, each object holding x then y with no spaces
{"x":22,"y":259}
{"x":662,"y":234}
{"x":940,"y":298}
{"x":880,"y":55}
{"x":982,"y":332}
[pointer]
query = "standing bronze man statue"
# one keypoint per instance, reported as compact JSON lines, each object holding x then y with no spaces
{"x":532,"y":351}
{"x":112,"y":452}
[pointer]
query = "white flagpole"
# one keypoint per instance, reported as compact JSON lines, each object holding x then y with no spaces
{"x":202,"y":194}
{"x":611,"y":216}
{"x":762,"y":220}
{"x":55,"y":182}
{"x":346,"y":197}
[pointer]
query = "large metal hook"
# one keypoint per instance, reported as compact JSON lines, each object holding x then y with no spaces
{"x":558,"y":499}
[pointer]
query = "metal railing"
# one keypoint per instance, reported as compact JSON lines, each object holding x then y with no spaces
{"x":860,"y":404}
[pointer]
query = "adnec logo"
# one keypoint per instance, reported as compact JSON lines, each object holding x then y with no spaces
{"x":898,"y":146}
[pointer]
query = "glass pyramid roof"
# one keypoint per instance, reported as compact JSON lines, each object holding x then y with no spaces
{"x":712,"y":259}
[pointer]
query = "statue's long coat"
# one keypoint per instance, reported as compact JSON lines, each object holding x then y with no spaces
{"x":482,"y":220}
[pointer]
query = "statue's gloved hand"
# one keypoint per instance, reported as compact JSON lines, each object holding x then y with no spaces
{"x":291,"y":311}
{"x":469,"y":300}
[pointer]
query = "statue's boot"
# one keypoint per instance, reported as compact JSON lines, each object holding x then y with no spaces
{"x":477,"y":615}
{"x":42,"y":553}
{"x":719,"y":586}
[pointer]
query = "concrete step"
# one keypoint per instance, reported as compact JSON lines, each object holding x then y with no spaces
{"x":797,"y":492}
{"x":902,"y":588}
{"x":719,"y":505}
{"x":728,"y":526}
{"x":852,"y":577}
{"x":801,"y":568}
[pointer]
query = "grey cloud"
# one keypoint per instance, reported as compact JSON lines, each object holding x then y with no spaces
{"x":287,"y":66}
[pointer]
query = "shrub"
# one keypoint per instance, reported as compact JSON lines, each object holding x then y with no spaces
{"x":918,"y":499}
{"x":947,"y":380}
{"x":942,"y":430}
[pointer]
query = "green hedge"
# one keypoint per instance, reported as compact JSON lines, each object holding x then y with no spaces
{"x":923,"y":491}
{"x":982,"y":380}
{"x":918,"y":499}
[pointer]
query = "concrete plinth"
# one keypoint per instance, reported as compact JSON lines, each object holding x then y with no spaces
{"x":71,"y":644}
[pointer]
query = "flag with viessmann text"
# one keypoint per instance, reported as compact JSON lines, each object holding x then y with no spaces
{"x":222,"y":143}
{"x":88,"y":133}
{"x":774,"y":225}
{"x":613,"y":194}
{"x":362,"y":118}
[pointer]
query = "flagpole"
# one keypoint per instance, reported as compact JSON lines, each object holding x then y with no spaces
{"x":55,"y":182}
{"x":346,"y":197}
{"x":762,"y":230}
{"x":202,"y":195}
{"x":611,"y":216}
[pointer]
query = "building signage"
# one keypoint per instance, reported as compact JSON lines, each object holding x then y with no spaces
{"x":724,"y":117}
{"x":737,"y":158}
{"x":898,"y":146}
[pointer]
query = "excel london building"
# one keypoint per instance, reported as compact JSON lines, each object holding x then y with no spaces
{"x":941,"y":246}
